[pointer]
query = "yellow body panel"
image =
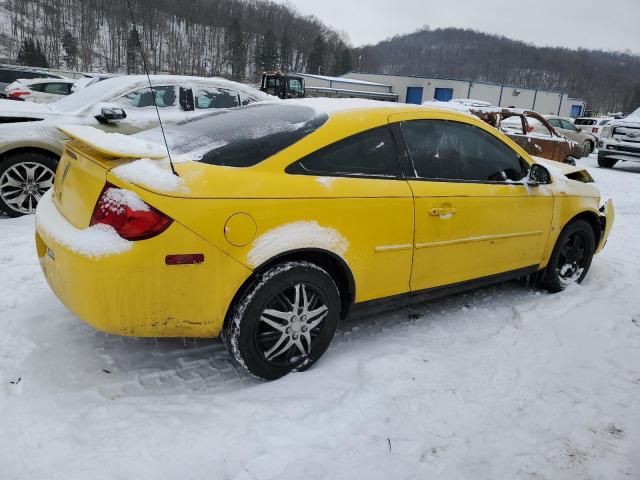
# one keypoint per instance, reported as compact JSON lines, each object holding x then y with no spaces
{"x":393,"y":235}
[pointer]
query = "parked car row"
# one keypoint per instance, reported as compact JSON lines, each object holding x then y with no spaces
{"x":31,"y":143}
{"x":527,"y":128}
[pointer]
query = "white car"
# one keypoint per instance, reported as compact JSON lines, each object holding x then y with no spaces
{"x":31,"y":144}
{"x":39,"y":90}
{"x":620,"y":141}
{"x":592,"y":125}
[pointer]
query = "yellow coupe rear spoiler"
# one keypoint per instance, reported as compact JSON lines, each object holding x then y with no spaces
{"x":115,"y":145}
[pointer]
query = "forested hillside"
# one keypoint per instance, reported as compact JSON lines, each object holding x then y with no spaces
{"x":609,"y":81}
{"x":233,"y":38}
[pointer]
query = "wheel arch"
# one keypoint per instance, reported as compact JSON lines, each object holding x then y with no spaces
{"x":593,"y":219}
{"x":332,"y":263}
{"x":29,"y":149}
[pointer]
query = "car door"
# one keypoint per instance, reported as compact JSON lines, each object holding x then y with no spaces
{"x":475,"y":216}
{"x":356,"y":186}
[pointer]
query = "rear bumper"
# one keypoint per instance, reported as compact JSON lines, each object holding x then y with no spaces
{"x":607,"y":217}
{"x":132,"y":291}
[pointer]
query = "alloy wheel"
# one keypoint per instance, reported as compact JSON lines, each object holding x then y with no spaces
{"x":290,"y":323}
{"x":23,"y":184}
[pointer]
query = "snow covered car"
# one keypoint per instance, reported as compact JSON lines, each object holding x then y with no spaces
{"x":31,"y":144}
{"x":620,"y":141}
{"x":284,"y":217}
{"x":39,"y":90}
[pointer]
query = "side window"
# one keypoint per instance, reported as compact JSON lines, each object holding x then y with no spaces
{"x":539,"y":128}
{"x":371,"y":153}
{"x":568,"y":126}
{"x":295,"y":86}
{"x":555,"y":123}
{"x":56,"y":88}
{"x":38,"y":87}
{"x":443,"y":150}
{"x":217,"y":98}
{"x":143,"y":97}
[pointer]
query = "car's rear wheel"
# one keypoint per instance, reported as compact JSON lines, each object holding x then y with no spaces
{"x":24,"y":178}
{"x":587,"y":148}
{"x":284,"y":321}
{"x":606,"y":162}
{"x":571,"y":257}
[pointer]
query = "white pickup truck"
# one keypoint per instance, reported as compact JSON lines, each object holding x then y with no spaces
{"x":620,"y":141}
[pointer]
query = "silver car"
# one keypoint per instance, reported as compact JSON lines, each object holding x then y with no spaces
{"x":566,"y":127}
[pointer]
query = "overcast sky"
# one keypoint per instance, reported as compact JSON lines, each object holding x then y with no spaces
{"x":597,"y":24}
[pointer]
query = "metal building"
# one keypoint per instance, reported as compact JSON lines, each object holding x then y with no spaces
{"x":415,"y":89}
{"x":341,"y":87}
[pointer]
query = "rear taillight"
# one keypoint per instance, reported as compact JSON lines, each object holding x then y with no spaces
{"x":18,"y":94}
{"x":132,"y":218}
{"x":594,"y":130}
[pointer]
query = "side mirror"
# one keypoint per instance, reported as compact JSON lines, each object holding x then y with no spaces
{"x":538,"y":175}
{"x":111,"y":114}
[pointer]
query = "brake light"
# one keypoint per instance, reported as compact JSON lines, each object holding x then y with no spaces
{"x":128,"y":214}
{"x":18,"y":94}
{"x":594,"y":130}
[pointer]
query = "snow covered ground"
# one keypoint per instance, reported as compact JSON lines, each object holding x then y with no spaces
{"x":504,"y":383}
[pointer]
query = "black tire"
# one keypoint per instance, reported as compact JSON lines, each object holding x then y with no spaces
{"x":587,"y":148}
{"x":606,"y":162}
{"x":15,"y":168}
{"x":254,"y":335}
{"x":570,"y":160}
{"x":571,"y":257}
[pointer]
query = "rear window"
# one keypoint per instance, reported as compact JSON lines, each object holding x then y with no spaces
{"x":241,"y":137}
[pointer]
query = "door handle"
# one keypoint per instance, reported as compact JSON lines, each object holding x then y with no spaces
{"x":442,"y":211}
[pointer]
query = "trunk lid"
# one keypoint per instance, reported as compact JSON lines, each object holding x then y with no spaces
{"x":78,"y":183}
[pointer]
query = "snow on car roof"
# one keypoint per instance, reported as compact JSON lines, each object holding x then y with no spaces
{"x":116,"y":86}
{"x":36,"y":81}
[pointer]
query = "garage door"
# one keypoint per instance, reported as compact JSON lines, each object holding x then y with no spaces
{"x":443,"y":94}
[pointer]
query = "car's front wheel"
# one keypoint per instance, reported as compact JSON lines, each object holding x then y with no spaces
{"x":606,"y":162}
{"x":24,"y":178}
{"x":571,"y":257}
{"x":284,"y":320}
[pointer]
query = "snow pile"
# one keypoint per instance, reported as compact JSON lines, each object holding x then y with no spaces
{"x":117,"y":199}
{"x":502,"y":383}
{"x":150,"y":174}
{"x":296,"y":235}
{"x":114,"y":144}
{"x":94,"y":242}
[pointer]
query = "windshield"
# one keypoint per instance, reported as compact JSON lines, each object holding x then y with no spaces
{"x":240,"y":137}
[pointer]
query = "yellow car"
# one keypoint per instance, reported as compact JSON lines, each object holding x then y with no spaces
{"x":282,"y":218}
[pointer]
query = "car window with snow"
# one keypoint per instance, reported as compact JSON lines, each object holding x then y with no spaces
{"x":216,"y":98}
{"x":443,"y":150}
{"x":240,"y":137}
{"x":144,"y":97}
{"x":371,"y":153}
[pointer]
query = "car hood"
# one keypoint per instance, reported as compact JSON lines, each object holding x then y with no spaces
{"x":10,"y":109}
